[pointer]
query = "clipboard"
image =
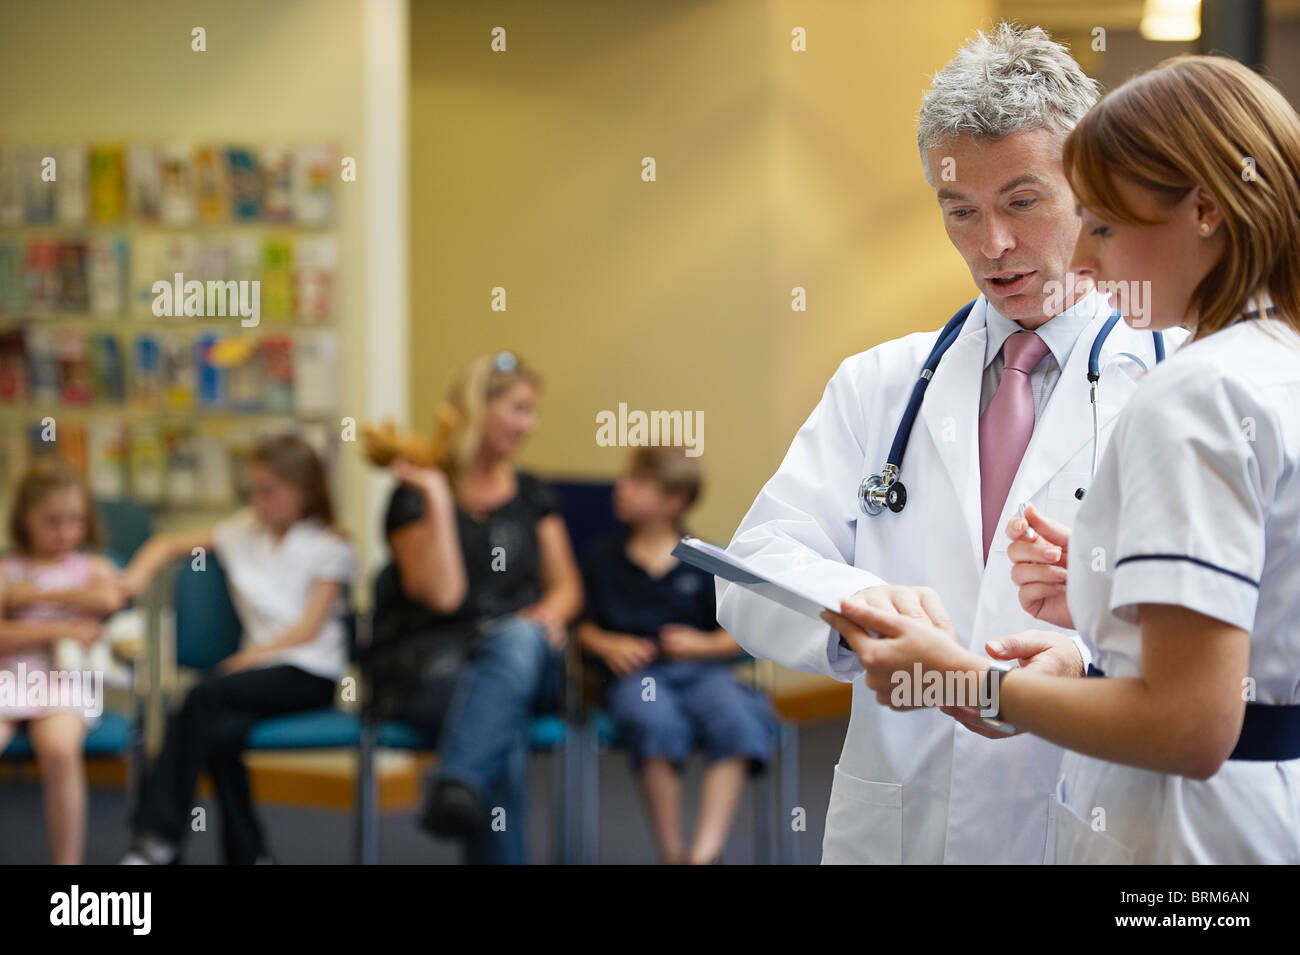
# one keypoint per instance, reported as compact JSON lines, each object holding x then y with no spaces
{"x":714,"y":560}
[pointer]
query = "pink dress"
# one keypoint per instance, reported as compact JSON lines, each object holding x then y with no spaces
{"x":71,"y":573}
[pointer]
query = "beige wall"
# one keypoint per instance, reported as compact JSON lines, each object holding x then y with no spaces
{"x":775,"y":169}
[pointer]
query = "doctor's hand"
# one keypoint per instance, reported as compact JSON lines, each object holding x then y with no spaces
{"x":905,"y":641}
{"x":1040,"y":557}
{"x":920,"y":602}
{"x":1044,"y":651}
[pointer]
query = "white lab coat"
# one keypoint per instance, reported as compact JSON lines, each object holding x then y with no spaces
{"x":918,"y":787}
{"x":1196,"y":504}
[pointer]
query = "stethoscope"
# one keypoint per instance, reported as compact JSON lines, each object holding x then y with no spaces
{"x":882,"y":491}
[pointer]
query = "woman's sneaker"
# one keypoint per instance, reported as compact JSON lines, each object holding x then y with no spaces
{"x":150,"y":850}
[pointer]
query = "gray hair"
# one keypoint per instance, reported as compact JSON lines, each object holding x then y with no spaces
{"x":1012,"y":79}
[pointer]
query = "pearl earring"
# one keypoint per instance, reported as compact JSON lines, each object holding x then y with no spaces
{"x":1205,"y":228}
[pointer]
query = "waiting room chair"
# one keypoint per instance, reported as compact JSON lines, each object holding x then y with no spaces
{"x":208,"y":631}
{"x":775,"y":793}
{"x":126,"y":526}
{"x":588,"y":511}
{"x":549,"y":732}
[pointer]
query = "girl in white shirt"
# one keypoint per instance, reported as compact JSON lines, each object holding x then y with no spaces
{"x":287,"y":570}
{"x":1184,"y":568}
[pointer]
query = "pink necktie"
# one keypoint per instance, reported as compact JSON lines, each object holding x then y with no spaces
{"x":1006,"y":426}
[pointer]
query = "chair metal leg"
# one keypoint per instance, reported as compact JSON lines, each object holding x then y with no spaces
{"x":559,"y":835}
{"x":135,"y":761}
{"x":572,"y":767}
{"x":367,"y":801}
{"x":764,"y":817}
{"x":788,"y":760}
{"x":591,"y":796}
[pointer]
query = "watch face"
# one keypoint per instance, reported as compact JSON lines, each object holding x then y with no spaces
{"x":1000,"y":725}
{"x":990,"y":704}
{"x":991,"y":686}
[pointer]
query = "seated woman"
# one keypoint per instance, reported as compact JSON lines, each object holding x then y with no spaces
{"x":652,"y":622}
{"x":467,"y":636}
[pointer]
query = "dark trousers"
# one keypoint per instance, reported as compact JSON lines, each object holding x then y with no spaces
{"x":209,"y":732}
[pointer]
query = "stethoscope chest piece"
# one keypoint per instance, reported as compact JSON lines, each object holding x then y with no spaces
{"x":879,"y":492}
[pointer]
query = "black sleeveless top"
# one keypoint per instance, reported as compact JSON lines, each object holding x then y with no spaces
{"x":501,"y":554}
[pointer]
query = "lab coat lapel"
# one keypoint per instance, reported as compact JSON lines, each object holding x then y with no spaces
{"x":1065,"y":425}
{"x":951,"y":414}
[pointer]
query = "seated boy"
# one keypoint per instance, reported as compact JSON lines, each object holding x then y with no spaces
{"x":651,"y":622}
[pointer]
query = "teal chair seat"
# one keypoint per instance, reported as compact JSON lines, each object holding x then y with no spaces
{"x":127,"y":526}
{"x":208,"y":630}
{"x":394,"y":735}
{"x":315,"y":729}
{"x":602,"y":726}
{"x":547,"y":732}
{"x":111,"y":737}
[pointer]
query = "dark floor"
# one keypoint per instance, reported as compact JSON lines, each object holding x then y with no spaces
{"x":311,"y":836}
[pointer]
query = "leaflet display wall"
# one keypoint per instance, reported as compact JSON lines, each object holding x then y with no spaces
{"x":161,"y":307}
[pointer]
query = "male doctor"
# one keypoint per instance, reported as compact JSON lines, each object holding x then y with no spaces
{"x":1005,"y":420}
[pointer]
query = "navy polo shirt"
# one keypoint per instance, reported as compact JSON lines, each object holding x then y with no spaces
{"x":623,"y":598}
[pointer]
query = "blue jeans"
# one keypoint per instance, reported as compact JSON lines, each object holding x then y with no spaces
{"x":481,"y":718}
{"x":695,"y":703}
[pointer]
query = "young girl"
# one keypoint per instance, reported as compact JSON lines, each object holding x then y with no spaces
{"x":649,"y":617}
{"x":286,"y":568}
{"x":51,"y":589}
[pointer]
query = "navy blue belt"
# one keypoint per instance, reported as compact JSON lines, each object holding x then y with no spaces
{"x":1269,"y":733}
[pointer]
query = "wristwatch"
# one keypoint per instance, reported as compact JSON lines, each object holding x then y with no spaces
{"x":991,"y":691}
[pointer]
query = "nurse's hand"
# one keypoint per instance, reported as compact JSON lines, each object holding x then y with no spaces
{"x":1040,"y":558}
{"x":1044,"y":651}
{"x":927,"y":639}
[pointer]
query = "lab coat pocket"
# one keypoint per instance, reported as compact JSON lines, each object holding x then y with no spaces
{"x":1071,"y":839}
{"x":864,"y":824}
